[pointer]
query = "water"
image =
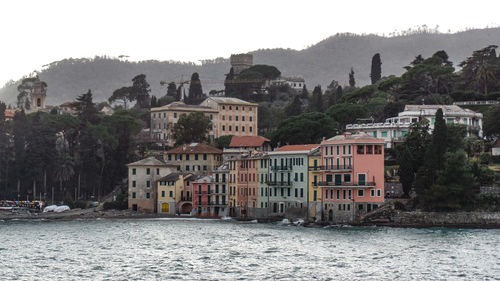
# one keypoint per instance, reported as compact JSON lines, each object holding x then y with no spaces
{"x":226,"y":250}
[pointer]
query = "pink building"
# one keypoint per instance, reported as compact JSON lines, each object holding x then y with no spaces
{"x":202,"y":190}
{"x":247,"y":188}
{"x":352,"y":176}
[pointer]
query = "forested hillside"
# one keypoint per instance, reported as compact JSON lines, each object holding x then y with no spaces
{"x":330,"y":59}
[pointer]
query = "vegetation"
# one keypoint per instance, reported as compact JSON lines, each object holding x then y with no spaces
{"x":62,"y":157}
{"x":376,"y":72}
{"x":191,"y":128}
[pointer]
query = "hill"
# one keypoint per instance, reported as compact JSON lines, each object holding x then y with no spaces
{"x":329,"y":59}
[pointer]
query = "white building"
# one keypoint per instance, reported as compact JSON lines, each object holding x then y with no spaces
{"x":394,"y":129}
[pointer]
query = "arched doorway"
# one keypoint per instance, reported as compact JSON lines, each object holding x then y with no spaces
{"x":330,"y":215}
{"x":186,"y":208}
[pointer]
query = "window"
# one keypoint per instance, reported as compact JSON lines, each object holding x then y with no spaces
{"x":250,"y":108}
{"x":223,"y":107}
{"x":242,"y":118}
{"x":236,"y":127}
{"x":230,"y":118}
{"x":205,"y":156}
{"x":343,"y":149}
{"x":211,"y":117}
{"x":223,"y":127}
{"x":187,"y":167}
{"x":170,"y":157}
{"x":338,"y":194}
{"x":340,"y":207}
{"x":187,"y":157}
{"x":230,"y":128}
{"x":296,"y":192}
{"x":133,"y":195}
{"x":230,"y":107}
{"x":384,"y":134}
{"x":134,"y":184}
{"x":347,"y":178}
{"x":204,"y":167}
{"x":148,"y":195}
{"x":250,"y":118}
{"x":362,"y":179}
{"x":134,"y":171}
{"x":175,"y":114}
{"x":171,"y":193}
{"x":163,"y":193}
{"x":250,"y":128}
{"x":379,"y":193}
{"x":148,"y":184}
{"x":236,"y":117}
{"x":148,"y":171}
{"x":236,"y":107}
{"x":343,"y":194}
{"x":296,"y":177}
{"x":350,"y":194}
{"x":372,"y":193}
{"x":301,"y":192}
{"x":360,"y":149}
{"x":242,"y":128}
{"x":338,"y":150}
{"x":157,"y":171}
{"x":302,"y":177}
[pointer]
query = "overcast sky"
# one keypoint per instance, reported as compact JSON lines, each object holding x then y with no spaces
{"x":35,"y":33}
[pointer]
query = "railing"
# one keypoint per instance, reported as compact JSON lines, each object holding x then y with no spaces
{"x":335,"y":168}
{"x":346,"y":184}
{"x":281,"y":168}
{"x":279,"y":183}
{"x":186,"y":199}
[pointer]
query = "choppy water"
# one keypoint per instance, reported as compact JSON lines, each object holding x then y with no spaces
{"x":194,"y":249}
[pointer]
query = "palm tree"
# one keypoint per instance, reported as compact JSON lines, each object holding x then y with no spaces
{"x":64,"y":170}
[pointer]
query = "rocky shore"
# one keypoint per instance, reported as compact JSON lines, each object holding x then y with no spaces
{"x":389,"y":215}
{"x":92,"y":213}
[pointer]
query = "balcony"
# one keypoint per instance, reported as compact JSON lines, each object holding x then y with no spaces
{"x":281,"y":168}
{"x":332,"y":168}
{"x":346,"y":184}
{"x":279,"y":183}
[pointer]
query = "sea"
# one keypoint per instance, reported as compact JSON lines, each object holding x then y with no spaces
{"x":201,"y":249}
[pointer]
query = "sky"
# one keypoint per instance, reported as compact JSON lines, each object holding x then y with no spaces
{"x":36,"y":33}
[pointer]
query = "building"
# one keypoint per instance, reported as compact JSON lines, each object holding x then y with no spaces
{"x":240,"y":62}
{"x":220,"y":194}
{"x":352,"y":175}
{"x":495,"y":149}
{"x":174,"y":194}
{"x":314,"y":190}
{"x":209,"y":195}
{"x":246,"y":188}
{"x":236,"y":117}
{"x":195,"y":158}
{"x":142,"y":177}
{"x":69,"y":107}
{"x":263,"y":169}
{"x":9,"y":114}
{"x":288,"y":180}
{"x":394,"y":129}
{"x":250,"y":143}
{"x":165,"y":117}
{"x":38,"y":95}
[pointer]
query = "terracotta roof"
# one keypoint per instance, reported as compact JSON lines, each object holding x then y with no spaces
{"x":181,"y":106}
{"x":298,"y":147}
{"x":194,"y":148}
{"x":9,"y":114}
{"x":228,"y":100}
{"x":247,"y":141}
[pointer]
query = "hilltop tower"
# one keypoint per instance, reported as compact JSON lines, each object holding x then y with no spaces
{"x":240,"y":62}
{"x":38,"y":95}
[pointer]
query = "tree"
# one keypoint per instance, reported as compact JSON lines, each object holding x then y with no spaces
{"x":376,"y":73}
{"x":294,"y":108}
{"x":406,"y":171}
{"x":491,"y":122}
{"x":5,"y":151}
{"x":346,"y":113}
{"x":124,"y":94}
{"x":86,"y":109}
{"x":316,"y":101}
{"x":195,"y":95}
{"x":439,"y":138}
{"x":309,"y":127}
{"x":191,"y":128}
{"x":140,"y":90}
{"x":481,"y":71}
{"x":64,"y":170}
{"x":172,"y":90}
{"x":223,"y":142}
{"x":20,"y":131}
{"x":352,"y":81}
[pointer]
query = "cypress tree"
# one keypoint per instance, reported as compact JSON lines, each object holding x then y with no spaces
{"x":376,"y":73}
{"x":294,"y":108}
{"x":352,"y":81}
{"x":195,"y":94}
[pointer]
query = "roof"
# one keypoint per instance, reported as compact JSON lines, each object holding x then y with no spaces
{"x":175,"y":176}
{"x":69,"y":104}
{"x":9,"y":114}
{"x":150,"y":161}
{"x":297,"y":147}
{"x":226,"y":100}
{"x":181,"y":106}
{"x":358,"y":137}
{"x":194,"y":148}
{"x":294,"y":79}
{"x":248,"y":141}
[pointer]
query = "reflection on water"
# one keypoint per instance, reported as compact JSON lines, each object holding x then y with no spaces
{"x":209,"y":249}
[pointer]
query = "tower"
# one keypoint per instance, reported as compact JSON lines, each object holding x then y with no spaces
{"x":241,"y":62}
{"x":38,"y":95}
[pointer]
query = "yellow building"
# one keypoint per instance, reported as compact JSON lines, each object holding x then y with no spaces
{"x":174,"y":194}
{"x":236,"y":117}
{"x":315,"y":196}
